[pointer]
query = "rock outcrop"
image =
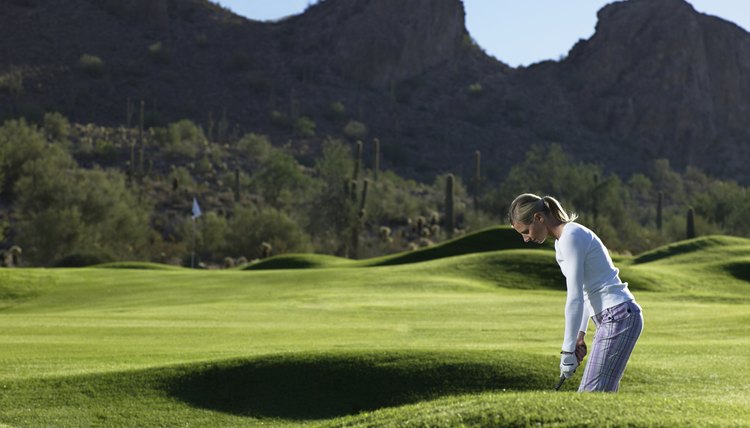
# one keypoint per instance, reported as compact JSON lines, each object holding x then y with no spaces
{"x":382,"y":42}
{"x":663,"y":79}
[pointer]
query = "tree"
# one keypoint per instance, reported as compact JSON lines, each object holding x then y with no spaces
{"x":64,"y":210}
{"x":19,"y":144}
{"x":331,"y":208}
{"x":280,"y":172}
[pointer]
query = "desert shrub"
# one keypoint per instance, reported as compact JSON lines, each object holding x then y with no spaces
{"x":255,"y":147}
{"x":336,"y":110}
{"x":304,"y":127}
{"x":355,"y":130}
{"x":279,"y":172}
{"x":182,"y":139}
{"x":105,"y":149}
{"x":279,"y":119}
{"x":248,"y":229}
{"x":159,"y":53}
{"x":475,"y":89}
{"x":92,"y":66}
{"x":12,"y":82}
{"x":64,"y":210}
{"x":211,"y":230}
{"x":56,"y":127}
{"x":19,"y":144}
{"x":184,"y":179}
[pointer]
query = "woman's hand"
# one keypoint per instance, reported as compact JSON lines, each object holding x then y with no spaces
{"x":581,"y":349}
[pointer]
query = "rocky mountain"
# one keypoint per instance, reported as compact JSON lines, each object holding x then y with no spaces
{"x":656,"y":80}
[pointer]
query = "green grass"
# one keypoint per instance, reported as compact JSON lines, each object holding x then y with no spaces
{"x":465,"y":339}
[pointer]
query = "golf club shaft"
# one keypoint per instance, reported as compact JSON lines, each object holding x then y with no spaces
{"x":560,"y":382}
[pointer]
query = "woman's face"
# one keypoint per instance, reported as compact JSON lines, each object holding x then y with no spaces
{"x":535,"y":231}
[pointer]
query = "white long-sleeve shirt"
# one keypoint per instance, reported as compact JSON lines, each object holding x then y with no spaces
{"x":592,"y":279}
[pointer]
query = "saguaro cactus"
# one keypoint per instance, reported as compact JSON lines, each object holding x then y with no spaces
{"x":376,"y":159}
{"x":358,"y":222}
{"x":690,"y":224}
{"x":139,"y":172}
{"x":357,"y":161}
{"x":363,"y":199}
{"x":449,"y":205}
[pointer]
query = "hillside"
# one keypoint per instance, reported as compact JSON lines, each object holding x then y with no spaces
{"x":657,"y":79}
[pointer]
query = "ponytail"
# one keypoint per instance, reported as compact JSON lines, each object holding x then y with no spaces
{"x":555,"y":208}
{"x":523,"y":208}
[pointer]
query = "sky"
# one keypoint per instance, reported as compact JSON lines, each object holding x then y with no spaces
{"x":516,"y":32}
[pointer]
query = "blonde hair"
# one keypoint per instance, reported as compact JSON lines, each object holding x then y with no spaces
{"x":523,"y":208}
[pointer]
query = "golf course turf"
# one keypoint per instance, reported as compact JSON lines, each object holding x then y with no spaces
{"x":464,"y":333}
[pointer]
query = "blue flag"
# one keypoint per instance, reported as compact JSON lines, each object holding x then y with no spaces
{"x":196,"y":209}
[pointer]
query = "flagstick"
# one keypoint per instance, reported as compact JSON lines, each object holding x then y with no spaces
{"x":192,"y":253}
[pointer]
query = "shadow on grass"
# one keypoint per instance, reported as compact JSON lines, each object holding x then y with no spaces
{"x":739,"y":270}
{"x":327,"y":386}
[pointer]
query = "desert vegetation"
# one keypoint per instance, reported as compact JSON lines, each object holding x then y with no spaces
{"x":87,"y":193}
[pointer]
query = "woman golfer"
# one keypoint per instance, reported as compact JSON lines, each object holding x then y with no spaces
{"x":594,"y":288}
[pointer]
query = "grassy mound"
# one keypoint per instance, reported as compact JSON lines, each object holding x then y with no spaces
{"x":491,"y":239}
{"x":513,"y":269}
{"x":700,"y":268}
{"x":298,"y":261}
{"x":137,"y":265}
{"x":696,"y":250}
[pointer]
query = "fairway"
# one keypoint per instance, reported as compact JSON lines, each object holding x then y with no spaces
{"x":467,"y":333}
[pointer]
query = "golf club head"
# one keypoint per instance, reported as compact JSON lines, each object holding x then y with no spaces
{"x":560,"y":382}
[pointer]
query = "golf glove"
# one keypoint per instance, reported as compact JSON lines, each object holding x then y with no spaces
{"x":568,"y":365}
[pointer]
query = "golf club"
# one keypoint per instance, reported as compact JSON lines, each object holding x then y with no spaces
{"x":560,"y":382}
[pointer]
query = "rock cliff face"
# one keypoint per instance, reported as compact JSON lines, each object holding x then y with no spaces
{"x":382,"y":42}
{"x":664,"y":79}
{"x":657,"y":79}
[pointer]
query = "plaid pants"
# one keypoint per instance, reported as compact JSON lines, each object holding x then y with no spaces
{"x":617,"y":330}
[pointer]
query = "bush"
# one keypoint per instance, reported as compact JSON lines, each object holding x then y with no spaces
{"x":182,"y":139}
{"x":355,"y":130}
{"x":475,"y":89}
{"x":337,"y":110}
{"x":304,"y":127}
{"x":249,"y":229}
{"x":256,"y":147}
{"x":56,"y":127}
{"x":159,"y":53}
{"x":64,"y":210}
{"x":279,"y":119}
{"x":92,"y":66}
{"x":12,"y":83}
{"x":20,"y":143}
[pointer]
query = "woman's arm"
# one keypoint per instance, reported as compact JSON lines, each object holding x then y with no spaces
{"x":571,"y":257}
